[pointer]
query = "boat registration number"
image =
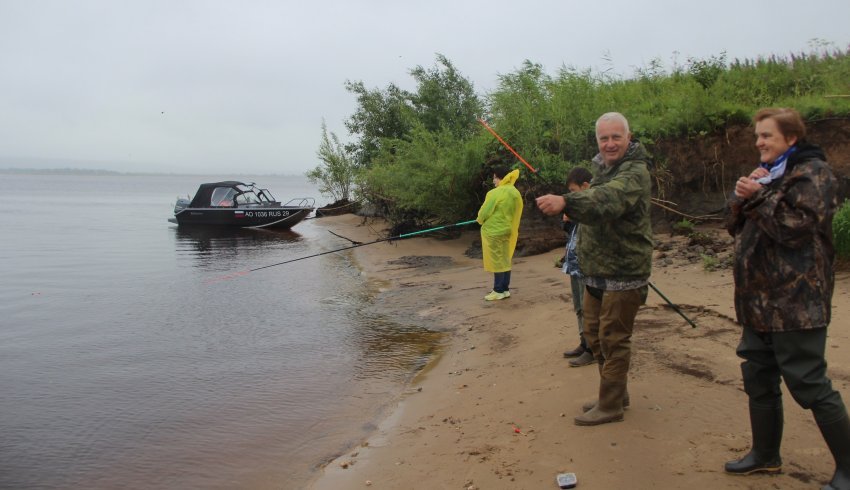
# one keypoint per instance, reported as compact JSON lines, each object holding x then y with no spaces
{"x":266,"y":214}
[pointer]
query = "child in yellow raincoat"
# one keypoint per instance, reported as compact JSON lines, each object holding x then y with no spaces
{"x":499,"y":219}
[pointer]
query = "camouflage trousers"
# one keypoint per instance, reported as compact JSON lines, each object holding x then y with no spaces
{"x":798,"y":358}
{"x":609,"y":319}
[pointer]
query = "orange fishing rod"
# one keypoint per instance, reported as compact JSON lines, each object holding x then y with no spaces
{"x":507,"y":145}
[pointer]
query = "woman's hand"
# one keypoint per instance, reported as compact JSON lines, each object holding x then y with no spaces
{"x":758,"y":173}
{"x":745,"y":187}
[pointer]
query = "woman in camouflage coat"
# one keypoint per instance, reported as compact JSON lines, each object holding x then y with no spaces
{"x":781,"y":218}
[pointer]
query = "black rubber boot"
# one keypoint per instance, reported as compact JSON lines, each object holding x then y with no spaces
{"x":837,"y":437}
{"x":767,"y":436}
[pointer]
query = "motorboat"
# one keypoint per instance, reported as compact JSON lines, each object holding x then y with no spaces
{"x":235,"y":204}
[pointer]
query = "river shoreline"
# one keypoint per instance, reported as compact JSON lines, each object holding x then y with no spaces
{"x":495,"y":409}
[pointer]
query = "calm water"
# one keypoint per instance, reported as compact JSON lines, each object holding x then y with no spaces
{"x":126,"y":362}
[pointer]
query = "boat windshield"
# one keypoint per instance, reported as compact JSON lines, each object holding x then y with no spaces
{"x":247,"y":197}
{"x":222,"y":197}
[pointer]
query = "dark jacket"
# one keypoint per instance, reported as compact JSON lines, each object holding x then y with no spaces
{"x":783,"y":247}
{"x":616,"y":231}
{"x":571,"y":266}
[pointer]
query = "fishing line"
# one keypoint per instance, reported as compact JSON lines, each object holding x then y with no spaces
{"x":356,"y":244}
{"x":397,"y":237}
{"x":353,"y":242}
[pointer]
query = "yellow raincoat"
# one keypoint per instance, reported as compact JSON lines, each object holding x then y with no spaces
{"x":499,"y":219}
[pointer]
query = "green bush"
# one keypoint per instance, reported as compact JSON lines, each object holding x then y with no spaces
{"x":431,"y":178}
{"x":841,"y":231}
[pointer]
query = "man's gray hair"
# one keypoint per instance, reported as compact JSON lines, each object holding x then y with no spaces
{"x":613,"y":116}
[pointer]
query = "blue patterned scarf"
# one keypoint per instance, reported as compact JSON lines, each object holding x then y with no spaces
{"x":777,"y":168}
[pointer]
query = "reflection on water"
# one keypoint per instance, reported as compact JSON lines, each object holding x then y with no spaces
{"x":205,"y":238}
{"x":122,"y":365}
{"x":215,"y":243}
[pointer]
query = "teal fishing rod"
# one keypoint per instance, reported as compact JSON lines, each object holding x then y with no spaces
{"x":397,"y":237}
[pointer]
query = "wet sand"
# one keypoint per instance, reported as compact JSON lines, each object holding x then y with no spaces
{"x":496,"y":409}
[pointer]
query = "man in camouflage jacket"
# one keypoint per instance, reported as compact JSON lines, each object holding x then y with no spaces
{"x":615,"y":252}
{"x":781,"y":218}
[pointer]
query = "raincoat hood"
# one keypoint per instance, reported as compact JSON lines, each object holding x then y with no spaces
{"x":510,"y":178}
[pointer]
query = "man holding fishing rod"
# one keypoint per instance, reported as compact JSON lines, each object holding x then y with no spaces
{"x":615,"y":252}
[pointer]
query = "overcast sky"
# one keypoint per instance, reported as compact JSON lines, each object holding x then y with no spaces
{"x":211,"y":86}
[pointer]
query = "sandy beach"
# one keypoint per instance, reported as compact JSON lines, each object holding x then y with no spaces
{"x":496,"y":409}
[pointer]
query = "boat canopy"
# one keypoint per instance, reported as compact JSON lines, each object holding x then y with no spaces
{"x":229,"y":193}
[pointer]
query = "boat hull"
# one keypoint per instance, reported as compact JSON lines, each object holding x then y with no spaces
{"x":265,"y":217}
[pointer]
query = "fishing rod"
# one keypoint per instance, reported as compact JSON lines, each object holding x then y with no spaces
{"x":397,"y":237}
{"x":506,"y":145}
{"x":672,"y":305}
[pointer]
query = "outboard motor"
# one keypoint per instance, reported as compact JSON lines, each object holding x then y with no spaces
{"x":182,"y":203}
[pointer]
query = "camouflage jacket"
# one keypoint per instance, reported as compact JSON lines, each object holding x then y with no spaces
{"x":783,"y":247}
{"x":616,"y":232}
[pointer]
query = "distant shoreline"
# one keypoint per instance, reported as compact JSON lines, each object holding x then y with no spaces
{"x":99,"y":172}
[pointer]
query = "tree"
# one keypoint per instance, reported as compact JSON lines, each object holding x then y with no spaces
{"x":445,"y":100}
{"x":335,"y":174}
{"x":418,"y":153}
{"x":380,"y":115}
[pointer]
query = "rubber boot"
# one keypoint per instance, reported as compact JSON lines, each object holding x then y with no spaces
{"x":588,"y":406}
{"x":837,"y":437}
{"x":767,"y":437}
{"x":610,"y":406}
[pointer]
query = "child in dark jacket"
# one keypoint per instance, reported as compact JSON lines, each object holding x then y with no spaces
{"x":577,"y":180}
